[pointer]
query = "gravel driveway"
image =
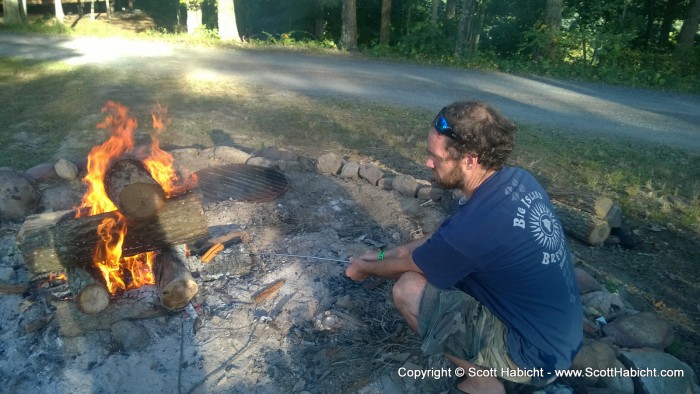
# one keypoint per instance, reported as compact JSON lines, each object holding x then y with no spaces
{"x":593,"y":109}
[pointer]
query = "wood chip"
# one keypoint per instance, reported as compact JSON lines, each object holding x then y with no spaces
{"x":268,"y":291}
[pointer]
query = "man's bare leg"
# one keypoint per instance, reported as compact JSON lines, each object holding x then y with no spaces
{"x":407,"y":293}
{"x":476,"y":384}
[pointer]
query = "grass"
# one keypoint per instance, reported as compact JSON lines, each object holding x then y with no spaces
{"x":47,"y":104}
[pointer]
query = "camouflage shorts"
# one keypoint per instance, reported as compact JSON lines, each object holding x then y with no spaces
{"x":453,"y":322}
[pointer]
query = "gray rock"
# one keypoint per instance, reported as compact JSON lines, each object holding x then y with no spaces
{"x":430,"y":193}
{"x":386,"y":183}
{"x":42,"y":172}
{"x":658,"y":362}
{"x":614,"y":216}
{"x":276,"y":154}
{"x":644,"y":329}
{"x":231,"y":155}
{"x":405,"y":184}
{"x":18,"y":196}
{"x":260,"y":161}
{"x":350,"y":170}
{"x":586,"y":282}
{"x":329,"y":163}
{"x":287,"y":166}
{"x":616,"y":383}
{"x":371,"y":174}
{"x":606,"y":303}
{"x":130,"y":335}
{"x":595,"y":355}
{"x":66,"y":169}
{"x":59,"y":198}
{"x":7,"y":274}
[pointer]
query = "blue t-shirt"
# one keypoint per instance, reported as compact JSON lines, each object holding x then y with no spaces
{"x":506,"y":248}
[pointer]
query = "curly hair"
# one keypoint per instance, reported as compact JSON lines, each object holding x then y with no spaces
{"x":482,"y":131}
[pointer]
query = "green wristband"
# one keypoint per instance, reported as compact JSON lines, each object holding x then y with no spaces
{"x":380,"y":255}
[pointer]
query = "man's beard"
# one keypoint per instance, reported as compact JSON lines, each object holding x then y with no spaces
{"x":452,"y":180}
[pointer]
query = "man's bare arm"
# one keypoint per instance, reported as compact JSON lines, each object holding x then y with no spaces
{"x":396,"y":261}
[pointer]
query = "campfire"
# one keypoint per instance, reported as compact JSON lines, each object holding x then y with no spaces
{"x":123,"y":236}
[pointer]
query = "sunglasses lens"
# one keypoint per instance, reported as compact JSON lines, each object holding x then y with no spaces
{"x":441,"y":123}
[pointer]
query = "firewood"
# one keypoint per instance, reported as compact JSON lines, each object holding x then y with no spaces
{"x":581,"y":224}
{"x":55,"y":241}
{"x":268,"y":291}
{"x":594,"y":204}
{"x":92,"y":299}
{"x":72,"y":322}
{"x":176,"y":286}
{"x":133,"y":190}
{"x":90,"y":294}
{"x":18,"y":288}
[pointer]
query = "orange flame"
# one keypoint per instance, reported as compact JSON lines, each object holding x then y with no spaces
{"x":123,"y":273}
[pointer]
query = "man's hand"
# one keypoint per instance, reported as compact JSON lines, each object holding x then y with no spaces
{"x":355,"y":270}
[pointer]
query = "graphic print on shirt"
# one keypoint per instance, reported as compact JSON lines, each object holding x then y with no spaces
{"x":533,"y":214}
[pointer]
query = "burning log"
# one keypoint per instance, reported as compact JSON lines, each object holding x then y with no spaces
{"x":133,"y":190}
{"x":57,"y":240}
{"x":176,"y":287}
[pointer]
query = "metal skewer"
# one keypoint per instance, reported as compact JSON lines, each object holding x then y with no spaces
{"x":298,"y":256}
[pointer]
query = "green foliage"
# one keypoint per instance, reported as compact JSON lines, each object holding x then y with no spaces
{"x":300,"y":39}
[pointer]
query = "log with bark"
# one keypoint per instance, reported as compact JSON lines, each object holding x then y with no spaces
{"x":176,"y":286}
{"x":133,"y":190}
{"x":58,"y":240}
{"x":72,"y":322}
{"x":593,"y":204}
{"x":91,"y":295}
{"x":581,"y":224}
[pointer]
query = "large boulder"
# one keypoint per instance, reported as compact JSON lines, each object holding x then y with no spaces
{"x":18,"y":196}
{"x":644,"y":329}
{"x":658,"y":372}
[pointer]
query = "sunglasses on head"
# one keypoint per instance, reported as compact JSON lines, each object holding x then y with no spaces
{"x":443,"y":127}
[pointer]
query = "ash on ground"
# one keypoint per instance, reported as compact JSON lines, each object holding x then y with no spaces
{"x":318,"y":332}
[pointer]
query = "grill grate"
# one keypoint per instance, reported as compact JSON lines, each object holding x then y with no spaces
{"x":241,"y":182}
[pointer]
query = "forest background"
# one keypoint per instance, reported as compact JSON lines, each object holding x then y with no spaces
{"x":643,"y":43}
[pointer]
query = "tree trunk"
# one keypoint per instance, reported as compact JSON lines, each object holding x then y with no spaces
{"x":667,"y":23}
{"x":228,"y":29}
{"x":385,"y":29}
{"x":318,"y":20}
{"x":92,"y":10}
{"x":51,"y":242}
{"x":434,"y":13}
{"x":552,"y":15}
{"x":451,"y":9}
{"x":464,"y":20}
{"x":132,"y":189}
{"x":348,"y":35}
{"x":58,"y":7}
{"x":11,"y":13}
{"x":194,"y":19}
{"x":686,"y":37}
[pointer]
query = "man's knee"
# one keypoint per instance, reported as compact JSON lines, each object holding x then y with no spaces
{"x":408,"y":289}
